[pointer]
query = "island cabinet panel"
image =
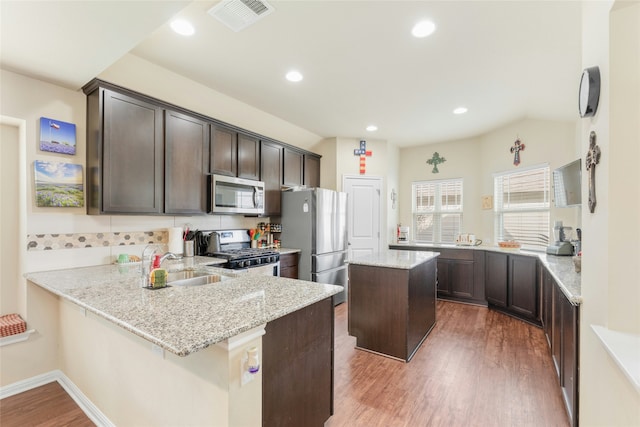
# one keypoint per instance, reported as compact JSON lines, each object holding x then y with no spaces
{"x":391,"y":310}
{"x":124,"y":154}
{"x":311,"y":171}
{"x":289,"y":265}
{"x":271,"y":174}
{"x":422,"y":304}
{"x":248,"y":157}
{"x":297,"y":367}
{"x":186,"y":164}
{"x":224,"y":148}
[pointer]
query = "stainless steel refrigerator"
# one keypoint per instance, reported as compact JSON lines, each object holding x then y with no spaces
{"x":314,"y":220}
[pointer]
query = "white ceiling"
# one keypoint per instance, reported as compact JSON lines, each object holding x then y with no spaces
{"x":503,"y":60}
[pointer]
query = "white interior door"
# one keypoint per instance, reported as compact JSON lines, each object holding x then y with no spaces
{"x":363,"y":218}
{"x":9,"y":209}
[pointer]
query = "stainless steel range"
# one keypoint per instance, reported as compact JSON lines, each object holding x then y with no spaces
{"x":235,"y":247}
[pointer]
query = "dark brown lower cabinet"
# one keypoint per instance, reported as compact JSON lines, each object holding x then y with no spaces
{"x":297,"y":368}
{"x":460,"y":273}
{"x":391,"y":310}
{"x":289,"y":265}
{"x":511,"y":285}
{"x":560,"y":322}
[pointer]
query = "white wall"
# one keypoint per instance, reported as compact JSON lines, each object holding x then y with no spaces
{"x":137,"y":74}
{"x":610,"y":268}
{"x":475,"y":160}
{"x":29,"y":99}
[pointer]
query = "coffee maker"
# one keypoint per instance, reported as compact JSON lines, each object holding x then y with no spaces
{"x":561,"y":245}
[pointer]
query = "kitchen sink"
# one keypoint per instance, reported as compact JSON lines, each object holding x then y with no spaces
{"x":194,"y":278}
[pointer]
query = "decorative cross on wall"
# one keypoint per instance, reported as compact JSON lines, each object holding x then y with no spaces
{"x":363,"y":153}
{"x":435,"y":161}
{"x":517,"y":147}
{"x":593,"y":158}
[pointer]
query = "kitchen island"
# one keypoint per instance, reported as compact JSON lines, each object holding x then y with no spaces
{"x":176,"y":355}
{"x":392,"y":301}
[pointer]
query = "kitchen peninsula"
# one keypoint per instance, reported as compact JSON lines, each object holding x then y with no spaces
{"x":392,"y":301}
{"x":174,"y":356}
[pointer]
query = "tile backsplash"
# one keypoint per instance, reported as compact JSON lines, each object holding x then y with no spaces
{"x":45,"y":242}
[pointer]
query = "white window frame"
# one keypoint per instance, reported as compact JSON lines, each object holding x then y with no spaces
{"x":545,"y":208}
{"x":438,"y":211}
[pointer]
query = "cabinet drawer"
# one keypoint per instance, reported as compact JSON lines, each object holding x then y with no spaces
{"x":288,"y":260}
{"x":463,"y":254}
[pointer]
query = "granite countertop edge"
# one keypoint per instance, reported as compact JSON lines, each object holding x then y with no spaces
{"x":278,"y":298}
{"x":404,"y":260}
{"x":285,"y":251}
{"x":560,"y":267}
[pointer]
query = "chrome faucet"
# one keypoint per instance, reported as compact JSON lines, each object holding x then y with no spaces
{"x":168,"y":255}
{"x":145,"y":267}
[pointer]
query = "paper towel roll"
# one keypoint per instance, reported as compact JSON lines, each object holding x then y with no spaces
{"x":175,"y":240}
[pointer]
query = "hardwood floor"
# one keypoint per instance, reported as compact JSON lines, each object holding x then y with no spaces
{"x":45,"y":406}
{"x":478,"y":367}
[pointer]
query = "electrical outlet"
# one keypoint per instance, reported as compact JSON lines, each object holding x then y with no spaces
{"x":157,"y":350}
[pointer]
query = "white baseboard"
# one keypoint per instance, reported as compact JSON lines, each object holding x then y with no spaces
{"x":76,"y":394}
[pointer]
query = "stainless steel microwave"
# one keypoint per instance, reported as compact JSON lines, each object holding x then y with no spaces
{"x":230,"y":195}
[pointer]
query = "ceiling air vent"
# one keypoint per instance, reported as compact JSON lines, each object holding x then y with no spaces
{"x":239,"y":14}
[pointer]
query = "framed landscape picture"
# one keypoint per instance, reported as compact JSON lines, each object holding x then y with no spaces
{"x":58,"y":184}
{"x":57,"y":137}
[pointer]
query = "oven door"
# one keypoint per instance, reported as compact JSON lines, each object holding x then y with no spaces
{"x":230,"y":195}
{"x":272,"y":269}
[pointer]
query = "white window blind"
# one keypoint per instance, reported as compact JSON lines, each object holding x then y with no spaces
{"x":437,"y":210}
{"x":521,"y":201}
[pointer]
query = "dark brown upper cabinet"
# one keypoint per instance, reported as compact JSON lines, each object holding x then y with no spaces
{"x":293,"y":167}
{"x":124,"y":154}
{"x":146,"y":156}
{"x":234,"y":153}
{"x":271,"y":174}
{"x":186,"y":164}
{"x":311,"y":170}
{"x":224,"y":151}
{"x":248,"y":157}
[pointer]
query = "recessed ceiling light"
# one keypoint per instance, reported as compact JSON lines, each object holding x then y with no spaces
{"x":423,"y":29}
{"x":182,"y":27}
{"x":294,"y":76}
{"x":460,"y":110}
{"x":372,"y":128}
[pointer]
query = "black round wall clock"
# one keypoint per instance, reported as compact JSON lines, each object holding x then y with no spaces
{"x":589,"y":94}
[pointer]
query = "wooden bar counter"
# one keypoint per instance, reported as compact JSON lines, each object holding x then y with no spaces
{"x":392,"y":301}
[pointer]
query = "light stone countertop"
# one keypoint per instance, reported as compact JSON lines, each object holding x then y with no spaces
{"x":284,"y":251}
{"x":560,"y":267}
{"x":182,"y":319}
{"x":394,"y":259}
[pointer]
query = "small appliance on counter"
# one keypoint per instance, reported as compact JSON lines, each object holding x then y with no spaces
{"x":562,"y":246}
{"x":468,"y":239}
{"x":403,"y":234}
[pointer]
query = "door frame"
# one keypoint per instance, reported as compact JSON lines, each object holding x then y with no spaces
{"x":382,"y":218}
{"x":21,"y":244}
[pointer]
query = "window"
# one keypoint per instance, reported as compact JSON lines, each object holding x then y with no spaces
{"x":437,"y":210}
{"x":522,"y":207}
